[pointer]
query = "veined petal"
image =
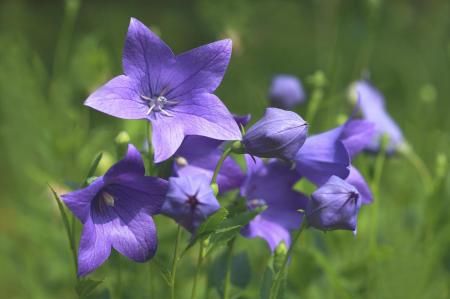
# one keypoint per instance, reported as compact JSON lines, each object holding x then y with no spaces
{"x":130,"y":166}
{"x":205,"y":115}
{"x":142,"y":193}
{"x":94,"y":248}
{"x":200,"y":70}
{"x":146,"y":58}
{"x":167,"y":136}
{"x":79,"y":201}
{"x":119,"y":97}
{"x":356,"y":135}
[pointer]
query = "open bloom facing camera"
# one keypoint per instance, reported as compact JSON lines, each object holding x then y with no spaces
{"x":173,"y":92}
{"x":116,"y":212}
{"x":278,"y":134}
{"x":190,"y":200}
{"x":334,"y":205}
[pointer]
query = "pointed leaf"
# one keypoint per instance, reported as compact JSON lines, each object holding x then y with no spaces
{"x":86,"y":286}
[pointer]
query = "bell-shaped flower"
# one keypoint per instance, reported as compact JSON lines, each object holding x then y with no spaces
{"x":278,"y":134}
{"x":271,"y":185}
{"x":373,"y":109}
{"x":173,"y":92}
{"x":335,"y":205}
{"x":189,"y":201}
{"x":116,"y":212}
{"x":286,"y":91}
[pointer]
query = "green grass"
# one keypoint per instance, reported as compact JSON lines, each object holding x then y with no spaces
{"x":51,"y":58}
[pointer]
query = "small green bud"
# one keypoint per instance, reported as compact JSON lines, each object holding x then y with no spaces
{"x":428,"y":93}
{"x":278,"y":256}
{"x":341,"y":119}
{"x":122,"y":138}
{"x":215,"y":188}
{"x":441,"y":165}
{"x":318,"y":79}
{"x":237,"y":147}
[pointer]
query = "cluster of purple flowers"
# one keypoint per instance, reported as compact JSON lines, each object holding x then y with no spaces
{"x":191,"y":125}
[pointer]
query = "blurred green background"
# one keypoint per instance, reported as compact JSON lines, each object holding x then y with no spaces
{"x":54,"y":53}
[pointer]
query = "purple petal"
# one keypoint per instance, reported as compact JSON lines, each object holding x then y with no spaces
{"x":140,"y":193}
{"x":130,"y":166}
{"x":79,"y":201}
{"x":94,"y":248}
{"x":323,"y":156}
{"x":167,"y":136}
{"x":357,"y":180}
{"x":200,"y":70}
{"x":146,"y":58}
{"x":205,"y":115}
{"x":242,"y":120}
{"x":356,"y":135}
{"x":119,"y":97}
{"x":271,"y":232}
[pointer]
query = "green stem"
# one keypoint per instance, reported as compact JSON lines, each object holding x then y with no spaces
{"x":226,"y":289}
{"x":225,"y":154}
{"x":420,"y":167}
{"x":197,"y":270}
{"x":279,"y":275}
{"x":174,"y":263}
{"x":316,"y":99}
{"x":150,"y":152}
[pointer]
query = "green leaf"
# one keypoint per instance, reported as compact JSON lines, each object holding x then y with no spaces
{"x":266,"y":283}
{"x":86,"y":286}
{"x":165,"y":273}
{"x":207,"y":227}
{"x":92,"y":169}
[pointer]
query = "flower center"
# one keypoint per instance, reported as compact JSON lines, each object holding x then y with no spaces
{"x":156,"y":104}
{"x":108,"y":199}
{"x":192,"y":200}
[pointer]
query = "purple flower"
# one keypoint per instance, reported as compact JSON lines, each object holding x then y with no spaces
{"x":199,"y":155}
{"x":173,"y":92}
{"x":271,"y":184}
{"x":286,"y":92}
{"x":373,"y":109}
{"x":334,"y":205}
{"x":190,"y":200}
{"x":116,"y":212}
{"x":279,"y":133}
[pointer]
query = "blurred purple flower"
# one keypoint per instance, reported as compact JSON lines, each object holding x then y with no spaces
{"x":373,"y":109}
{"x":271,"y":184}
{"x":334,"y":205}
{"x":116,"y":212}
{"x":286,"y":92}
{"x":190,"y":200}
{"x":279,"y":133}
{"x":173,"y":92}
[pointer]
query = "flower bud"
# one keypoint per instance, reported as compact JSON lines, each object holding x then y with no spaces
{"x":286,"y":92}
{"x":279,"y":133}
{"x":334,"y":205}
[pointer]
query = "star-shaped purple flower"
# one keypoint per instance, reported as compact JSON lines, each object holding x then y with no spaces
{"x":190,"y":200}
{"x":116,"y":213}
{"x":271,"y":184}
{"x":174,"y":93}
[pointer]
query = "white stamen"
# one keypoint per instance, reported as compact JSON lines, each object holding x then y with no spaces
{"x":146,"y":98}
{"x":108,"y":199}
{"x":150,"y":109}
{"x":165,"y":112}
{"x":181,"y":161}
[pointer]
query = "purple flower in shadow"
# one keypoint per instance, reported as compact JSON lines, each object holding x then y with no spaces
{"x":174,"y":93}
{"x":190,"y":200}
{"x":286,"y":92}
{"x":335,"y":205}
{"x":373,"y":109}
{"x":271,"y":184}
{"x":116,"y":213}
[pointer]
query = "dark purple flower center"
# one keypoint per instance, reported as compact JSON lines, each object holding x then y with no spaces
{"x":353,"y":196}
{"x":156,"y":104}
{"x":104,"y":200}
{"x":192,"y":201}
